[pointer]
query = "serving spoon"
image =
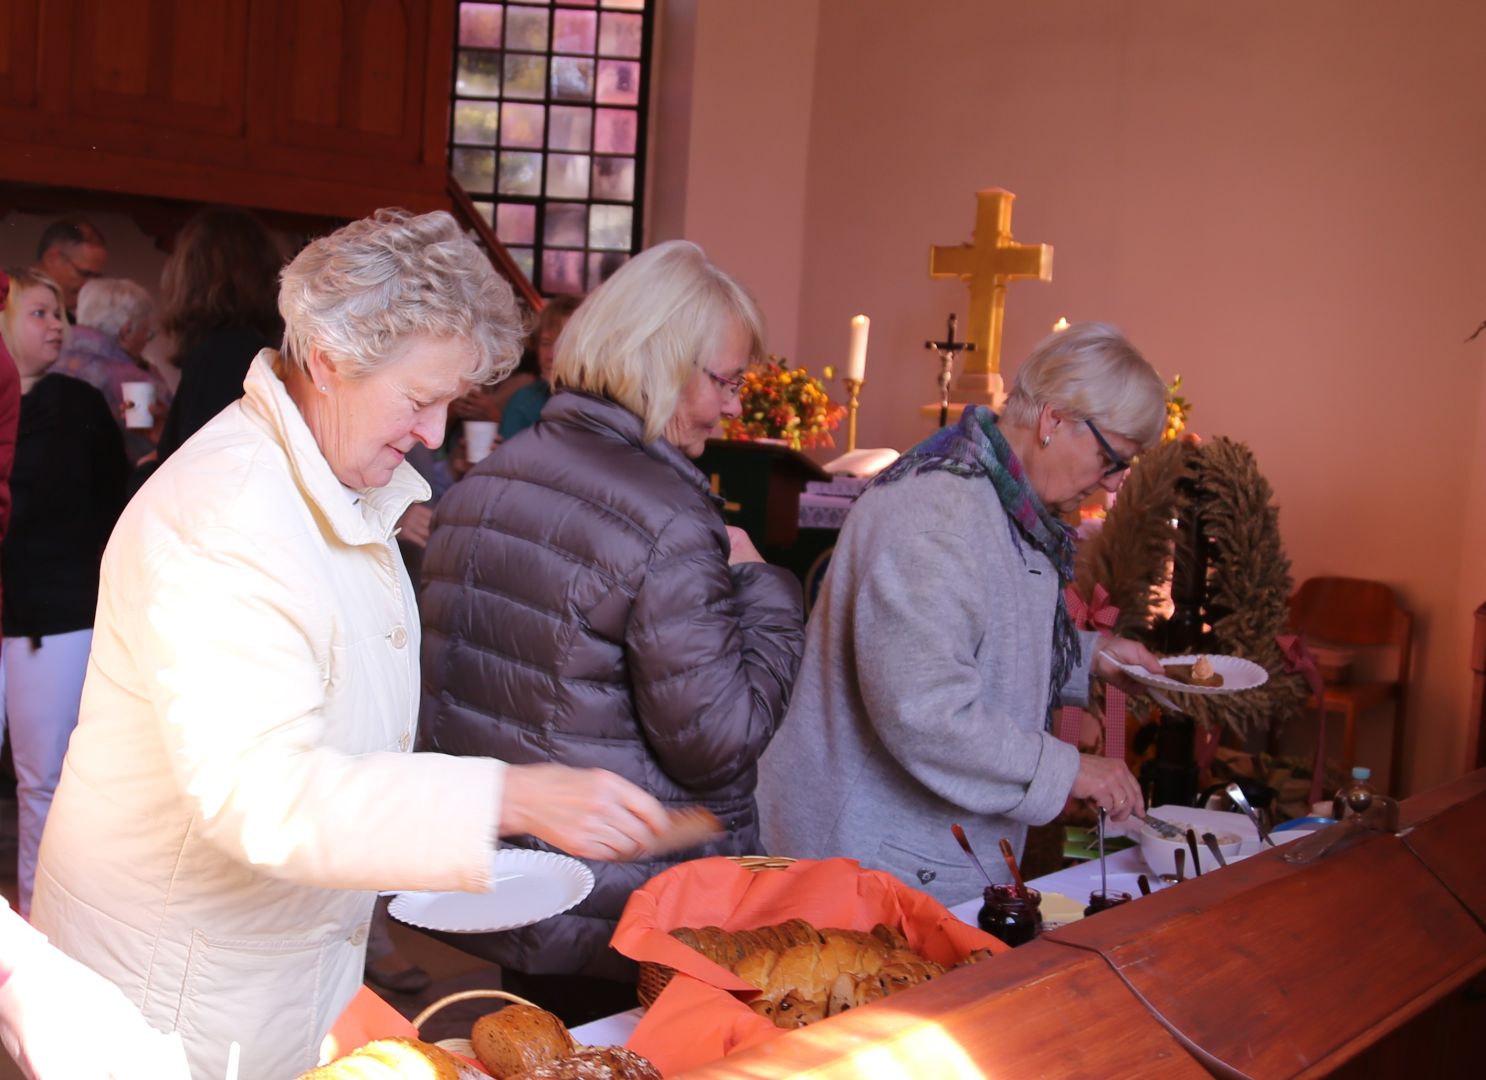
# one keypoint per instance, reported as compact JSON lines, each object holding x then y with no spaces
{"x":1212,"y":845}
{"x":1240,"y":800}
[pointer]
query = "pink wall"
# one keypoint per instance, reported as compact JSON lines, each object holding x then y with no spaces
{"x":1280,"y":201}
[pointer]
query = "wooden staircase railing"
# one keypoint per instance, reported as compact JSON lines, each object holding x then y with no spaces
{"x":465,"y":211}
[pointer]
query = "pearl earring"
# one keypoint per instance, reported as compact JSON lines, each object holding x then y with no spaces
{"x":1047,"y":440}
{"x":325,"y":390}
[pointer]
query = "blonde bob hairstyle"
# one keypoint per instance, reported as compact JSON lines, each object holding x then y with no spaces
{"x":20,"y":280}
{"x":643,"y":334}
{"x":1092,"y":372}
{"x":361,"y":292}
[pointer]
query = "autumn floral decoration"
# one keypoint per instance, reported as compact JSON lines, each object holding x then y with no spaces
{"x":788,"y":404}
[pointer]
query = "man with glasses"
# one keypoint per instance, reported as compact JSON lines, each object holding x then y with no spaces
{"x":71,"y":252}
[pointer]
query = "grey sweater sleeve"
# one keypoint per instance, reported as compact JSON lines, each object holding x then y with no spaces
{"x":915,"y":636}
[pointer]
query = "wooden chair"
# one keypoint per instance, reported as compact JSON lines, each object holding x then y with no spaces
{"x":1364,"y":614}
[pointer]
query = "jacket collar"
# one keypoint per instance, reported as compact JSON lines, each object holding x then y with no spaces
{"x":371,"y":517}
{"x":582,"y":409}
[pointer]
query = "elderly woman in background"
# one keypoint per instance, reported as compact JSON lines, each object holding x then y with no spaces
{"x":239,"y":787}
{"x":115,"y":321}
{"x":941,"y":641}
{"x":584,"y":602}
{"x":68,"y":488}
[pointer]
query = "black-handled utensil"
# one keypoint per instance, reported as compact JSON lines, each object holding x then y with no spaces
{"x":1192,"y":844}
{"x":1181,"y":866}
{"x":1212,"y":845}
{"x":1103,"y":872}
{"x":1144,"y":885}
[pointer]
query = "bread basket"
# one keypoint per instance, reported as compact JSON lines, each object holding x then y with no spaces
{"x":654,"y":977}
{"x":462,"y":1046}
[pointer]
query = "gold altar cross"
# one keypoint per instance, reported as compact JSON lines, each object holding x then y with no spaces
{"x":987,"y":263}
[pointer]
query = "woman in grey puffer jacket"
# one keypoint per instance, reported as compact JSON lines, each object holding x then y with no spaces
{"x":584,"y":603}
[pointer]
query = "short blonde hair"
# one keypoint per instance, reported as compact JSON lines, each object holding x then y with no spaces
{"x":21,"y":280}
{"x":358,"y":293}
{"x":1091,"y":371}
{"x":641,"y":336}
{"x":106,"y":304}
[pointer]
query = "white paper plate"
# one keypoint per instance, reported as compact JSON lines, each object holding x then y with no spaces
{"x":1238,"y":674}
{"x":529,"y":886}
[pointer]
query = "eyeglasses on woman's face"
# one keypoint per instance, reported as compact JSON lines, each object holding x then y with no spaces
{"x":730,"y":388}
{"x":1117,"y":464}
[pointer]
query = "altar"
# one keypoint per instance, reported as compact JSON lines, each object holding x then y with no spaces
{"x":1365,"y":962}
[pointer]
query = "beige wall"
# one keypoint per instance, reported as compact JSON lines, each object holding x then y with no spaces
{"x":1281,"y":201}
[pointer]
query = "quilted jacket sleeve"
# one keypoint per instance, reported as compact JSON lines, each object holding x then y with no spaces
{"x":712,"y":652}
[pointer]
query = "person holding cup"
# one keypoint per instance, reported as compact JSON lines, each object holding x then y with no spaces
{"x":115,"y":321}
{"x":67,"y":487}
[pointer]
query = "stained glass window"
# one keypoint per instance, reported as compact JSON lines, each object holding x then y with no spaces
{"x":548,"y":131}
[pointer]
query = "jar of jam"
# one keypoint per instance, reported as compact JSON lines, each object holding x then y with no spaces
{"x":1008,"y":915}
{"x":1100,"y":899}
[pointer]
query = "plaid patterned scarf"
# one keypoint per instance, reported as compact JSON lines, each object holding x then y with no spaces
{"x":975,"y":448}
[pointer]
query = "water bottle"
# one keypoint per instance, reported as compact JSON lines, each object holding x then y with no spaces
{"x":1355,"y":796}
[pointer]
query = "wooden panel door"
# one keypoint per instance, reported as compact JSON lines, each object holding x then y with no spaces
{"x":20,"y":44}
{"x":347,"y":76}
{"x":178,"y":65}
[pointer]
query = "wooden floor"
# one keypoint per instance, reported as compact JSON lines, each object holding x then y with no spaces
{"x":451,"y":969}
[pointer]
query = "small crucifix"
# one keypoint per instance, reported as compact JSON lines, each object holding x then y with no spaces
{"x":946,"y":350}
{"x":986,"y":264}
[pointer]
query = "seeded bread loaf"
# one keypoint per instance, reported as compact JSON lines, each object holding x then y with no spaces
{"x":595,"y":1063}
{"x":519,"y":1038}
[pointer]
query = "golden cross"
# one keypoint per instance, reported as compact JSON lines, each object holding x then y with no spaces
{"x":987,"y":263}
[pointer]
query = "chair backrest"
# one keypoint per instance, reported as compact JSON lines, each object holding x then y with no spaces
{"x":1353,"y":611}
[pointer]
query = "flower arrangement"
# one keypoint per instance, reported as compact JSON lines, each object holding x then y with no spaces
{"x":784,"y":403}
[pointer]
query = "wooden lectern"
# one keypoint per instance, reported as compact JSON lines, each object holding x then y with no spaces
{"x":762,"y":483}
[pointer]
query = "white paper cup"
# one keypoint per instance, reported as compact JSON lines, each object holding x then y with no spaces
{"x":138,"y":397}
{"x":479,"y":439}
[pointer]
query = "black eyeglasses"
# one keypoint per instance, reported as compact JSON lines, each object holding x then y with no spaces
{"x":1117,"y":464}
{"x":731,"y":387}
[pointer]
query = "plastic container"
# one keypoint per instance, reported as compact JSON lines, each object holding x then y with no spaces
{"x":1355,"y":796}
{"x":1008,"y":916}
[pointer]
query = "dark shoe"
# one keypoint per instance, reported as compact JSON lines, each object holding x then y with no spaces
{"x":406,"y":980}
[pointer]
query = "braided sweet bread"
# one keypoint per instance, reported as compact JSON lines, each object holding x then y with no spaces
{"x":808,"y":974}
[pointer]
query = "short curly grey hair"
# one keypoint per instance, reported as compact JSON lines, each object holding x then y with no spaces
{"x":106,"y":304}
{"x":358,"y":293}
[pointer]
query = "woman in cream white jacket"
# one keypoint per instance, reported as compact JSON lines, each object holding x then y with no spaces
{"x":238,"y":786}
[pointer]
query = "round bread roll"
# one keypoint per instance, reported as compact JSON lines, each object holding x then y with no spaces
{"x":595,"y":1063}
{"x":519,"y":1038}
{"x":391,"y":1059}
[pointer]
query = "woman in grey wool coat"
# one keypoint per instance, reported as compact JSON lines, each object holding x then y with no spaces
{"x":941,"y":641}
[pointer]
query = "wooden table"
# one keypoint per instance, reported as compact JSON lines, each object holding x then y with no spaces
{"x":1366,"y":962}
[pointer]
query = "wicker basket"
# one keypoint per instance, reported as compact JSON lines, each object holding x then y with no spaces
{"x":462,"y":1046}
{"x":654,"y":977}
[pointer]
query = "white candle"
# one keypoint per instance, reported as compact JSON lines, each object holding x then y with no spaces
{"x":856,"y":358}
{"x":1060,"y":325}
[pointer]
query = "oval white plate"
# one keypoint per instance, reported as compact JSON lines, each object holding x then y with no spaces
{"x":529,"y":886}
{"x":1238,"y":674}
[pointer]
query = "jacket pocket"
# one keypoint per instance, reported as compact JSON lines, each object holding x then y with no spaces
{"x":267,"y":994}
{"x":938,"y":877}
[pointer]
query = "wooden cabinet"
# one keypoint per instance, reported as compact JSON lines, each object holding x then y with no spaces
{"x":330,"y":107}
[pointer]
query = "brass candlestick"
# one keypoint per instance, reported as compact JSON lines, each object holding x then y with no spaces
{"x":853,"y":390}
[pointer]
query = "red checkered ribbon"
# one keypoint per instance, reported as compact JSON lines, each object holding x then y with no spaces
{"x":1299,"y":661}
{"x":1097,"y":613}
